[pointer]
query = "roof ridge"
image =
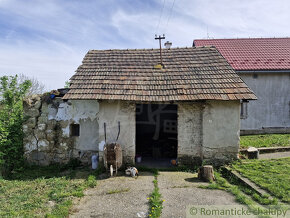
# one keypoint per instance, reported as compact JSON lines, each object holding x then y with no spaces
{"x":146,"y":49}
{"x":244,"y":38}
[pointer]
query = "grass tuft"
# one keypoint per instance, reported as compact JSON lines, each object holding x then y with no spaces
{"x":115,"y":191}
{"x":155,"y":201}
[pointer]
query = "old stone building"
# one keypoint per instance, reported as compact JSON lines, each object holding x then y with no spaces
{"x":187,"y":108}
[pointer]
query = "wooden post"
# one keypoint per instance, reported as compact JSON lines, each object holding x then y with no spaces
{"x":206,"y":173}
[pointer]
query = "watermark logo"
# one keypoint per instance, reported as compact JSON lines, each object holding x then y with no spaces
{"x":224,"y":211}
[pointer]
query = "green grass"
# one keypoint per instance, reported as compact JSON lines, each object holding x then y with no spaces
{"x":155,"y":201}
{"x":272,"y":175}
{"x":269,"y":140}
{"x":115,"y":191}
{"x":42,"y":192}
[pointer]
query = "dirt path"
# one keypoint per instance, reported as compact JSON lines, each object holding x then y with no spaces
{"x":117,"y":197}
{"x":179,"y":189}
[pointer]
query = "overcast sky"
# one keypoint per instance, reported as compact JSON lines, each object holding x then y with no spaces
{"x":47,"y":39}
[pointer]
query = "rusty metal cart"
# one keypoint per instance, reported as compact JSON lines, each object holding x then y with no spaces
{"x":112,"y":154}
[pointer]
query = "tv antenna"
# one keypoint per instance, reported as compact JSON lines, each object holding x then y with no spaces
{"x":160,"y":38}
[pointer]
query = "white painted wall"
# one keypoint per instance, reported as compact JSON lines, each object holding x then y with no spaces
{"x":110,"y":113}
{"x":221,"y":130}
{"x":189,"y":132}
{"x":83,"y":112}
{"x":272,"y":109}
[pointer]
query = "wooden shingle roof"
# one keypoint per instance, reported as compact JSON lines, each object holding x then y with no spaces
{"x":189,"y":74}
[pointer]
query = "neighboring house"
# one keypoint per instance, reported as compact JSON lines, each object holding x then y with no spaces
{"x":264,"y":65}
{"x":188,"y":109}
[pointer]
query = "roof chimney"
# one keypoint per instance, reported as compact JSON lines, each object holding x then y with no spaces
{"x":168,"y":44}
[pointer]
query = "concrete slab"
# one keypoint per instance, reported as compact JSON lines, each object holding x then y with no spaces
{"x":117,"y":197}
{"x":179,"y":189}
{"x":274,"y":155}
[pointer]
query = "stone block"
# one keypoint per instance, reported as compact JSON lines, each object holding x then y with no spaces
{"x":32,"y":112}
{"x":39,"y":134}
{"x":31,"y":122}
{"x":41,"y":126}
{"x":43,"y":118}
{"x":37,"y":105}
{"x":43,"y":145}
{"x":63,"y":123}
{"x":50,"y":135}
{"x":51,"y":124}
{"x":44,"y":108}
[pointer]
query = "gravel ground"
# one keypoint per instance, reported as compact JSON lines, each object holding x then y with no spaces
{"x":179,"y":189}
{"x":274,"y":155}
{"x":131,"y":201}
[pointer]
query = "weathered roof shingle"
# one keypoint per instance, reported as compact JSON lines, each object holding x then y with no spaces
{"x":189,"y":74}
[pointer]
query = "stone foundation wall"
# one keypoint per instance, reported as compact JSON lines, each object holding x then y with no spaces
{"x":47,"y":129}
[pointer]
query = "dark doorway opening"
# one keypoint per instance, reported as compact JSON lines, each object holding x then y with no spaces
{"x":156,"y":131}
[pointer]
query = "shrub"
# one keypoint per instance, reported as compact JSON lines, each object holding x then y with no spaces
{"x":11,"y":119}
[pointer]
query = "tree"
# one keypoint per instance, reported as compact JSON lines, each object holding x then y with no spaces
{"x":67,"y":84}
{"x":37,"y":87}
{"x":11,"y":118}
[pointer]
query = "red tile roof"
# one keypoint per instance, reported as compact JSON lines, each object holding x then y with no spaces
{"x":252,"y":53}
{"x":189,"y":74}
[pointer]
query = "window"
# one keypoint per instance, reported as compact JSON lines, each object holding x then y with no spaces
{"x":139,"y":109}
{"x":170,"y":126}
{"x":244,"y":110}
{"x":255,"y":76}
{"x":75,"y":129}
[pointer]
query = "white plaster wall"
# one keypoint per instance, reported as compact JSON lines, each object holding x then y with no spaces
{"x":74,"y":111}
{"x":83,"y":112}
{"x":221,"y":129}
{"x":272,"y":109}
{"x":110,"y":113}
{"x":189,"y":129}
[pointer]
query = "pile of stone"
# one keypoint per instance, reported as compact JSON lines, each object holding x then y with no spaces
{"x":43,"y":140}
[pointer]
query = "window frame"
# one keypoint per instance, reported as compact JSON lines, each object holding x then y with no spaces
{"x":75,"y":130}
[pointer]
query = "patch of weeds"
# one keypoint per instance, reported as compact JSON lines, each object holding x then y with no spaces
{"x":267,"y":140}
{"x":41,"y":191}
{"x":180,"y":186}
{"x":61,"y":209}
{"x":91,"y":181}
{"x":115,"y":191}
{"x":155,"y":201}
